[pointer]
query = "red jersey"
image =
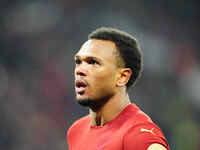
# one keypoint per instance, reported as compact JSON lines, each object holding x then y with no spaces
{"x":132,"y":129}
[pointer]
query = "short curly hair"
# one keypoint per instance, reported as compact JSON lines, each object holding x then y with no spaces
{"x":128,"y":48}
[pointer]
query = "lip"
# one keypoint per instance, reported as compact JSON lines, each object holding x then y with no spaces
{"x":80,"y":91}
{"x":80,"y":86}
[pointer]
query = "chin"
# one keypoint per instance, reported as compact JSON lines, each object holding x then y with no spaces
{"x":81,"y":97}
{"x":94,"y":103}
{"x":85,"y":103}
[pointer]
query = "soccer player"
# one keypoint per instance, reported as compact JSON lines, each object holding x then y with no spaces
{"x":107,"y":64}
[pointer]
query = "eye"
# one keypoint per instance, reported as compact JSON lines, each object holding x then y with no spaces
{"x":77,"y":61}
{"x":92,"y":61}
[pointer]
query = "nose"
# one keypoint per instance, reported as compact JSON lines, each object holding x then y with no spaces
{"x":80,"y":72}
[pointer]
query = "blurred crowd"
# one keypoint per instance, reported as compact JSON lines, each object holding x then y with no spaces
{"x":39,"y":38}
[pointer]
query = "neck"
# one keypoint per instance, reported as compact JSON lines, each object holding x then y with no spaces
{"x":111,"y":109}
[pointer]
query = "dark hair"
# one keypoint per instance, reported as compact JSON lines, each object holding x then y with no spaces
{"x":128,"y":48}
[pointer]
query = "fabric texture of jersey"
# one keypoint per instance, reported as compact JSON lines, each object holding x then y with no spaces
{"x":132,"y":129}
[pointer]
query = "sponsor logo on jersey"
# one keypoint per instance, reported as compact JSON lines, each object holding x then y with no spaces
{"x":147,"y":130}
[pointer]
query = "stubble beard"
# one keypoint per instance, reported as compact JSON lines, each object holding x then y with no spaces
{"x":95,"y":104}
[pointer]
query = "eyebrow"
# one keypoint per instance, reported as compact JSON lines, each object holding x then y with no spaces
{"x":87,"y":57}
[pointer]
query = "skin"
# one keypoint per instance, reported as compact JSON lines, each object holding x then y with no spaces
{"x":97,"y":65}
{"x":104,"y":79}
{"x":156,"y":146}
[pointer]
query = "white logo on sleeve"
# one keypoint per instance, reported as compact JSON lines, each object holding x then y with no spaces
{"x":147,"y":130}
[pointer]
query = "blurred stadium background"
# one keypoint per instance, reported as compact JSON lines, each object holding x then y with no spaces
{"x":39,"y":39}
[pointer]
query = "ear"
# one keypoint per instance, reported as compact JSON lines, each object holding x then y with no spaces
{"x":124,"y":76}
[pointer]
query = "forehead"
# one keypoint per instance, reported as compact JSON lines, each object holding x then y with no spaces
{"x":98,"y":48}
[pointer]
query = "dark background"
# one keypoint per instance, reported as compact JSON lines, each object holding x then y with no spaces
{"x":38,"y":39}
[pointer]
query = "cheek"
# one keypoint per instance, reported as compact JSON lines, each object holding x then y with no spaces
{"x":105,"y":72}
{"x":102,"y":84}
{"x":104,"y":80}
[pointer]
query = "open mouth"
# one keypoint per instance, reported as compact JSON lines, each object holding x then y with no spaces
{"x":80,"y":87}
{"x":80,"y":84}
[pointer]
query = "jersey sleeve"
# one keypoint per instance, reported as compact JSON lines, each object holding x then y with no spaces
{"x":142,"y":136}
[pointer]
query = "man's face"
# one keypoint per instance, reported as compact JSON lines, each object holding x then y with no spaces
{"x":96,"y":71}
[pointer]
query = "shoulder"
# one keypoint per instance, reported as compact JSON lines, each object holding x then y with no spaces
{"x":141,"y":131}
{"x":76,"y":130}
{"x":78,"y":125}
{"x":144,"y":134}
{"x":136,"y":117}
